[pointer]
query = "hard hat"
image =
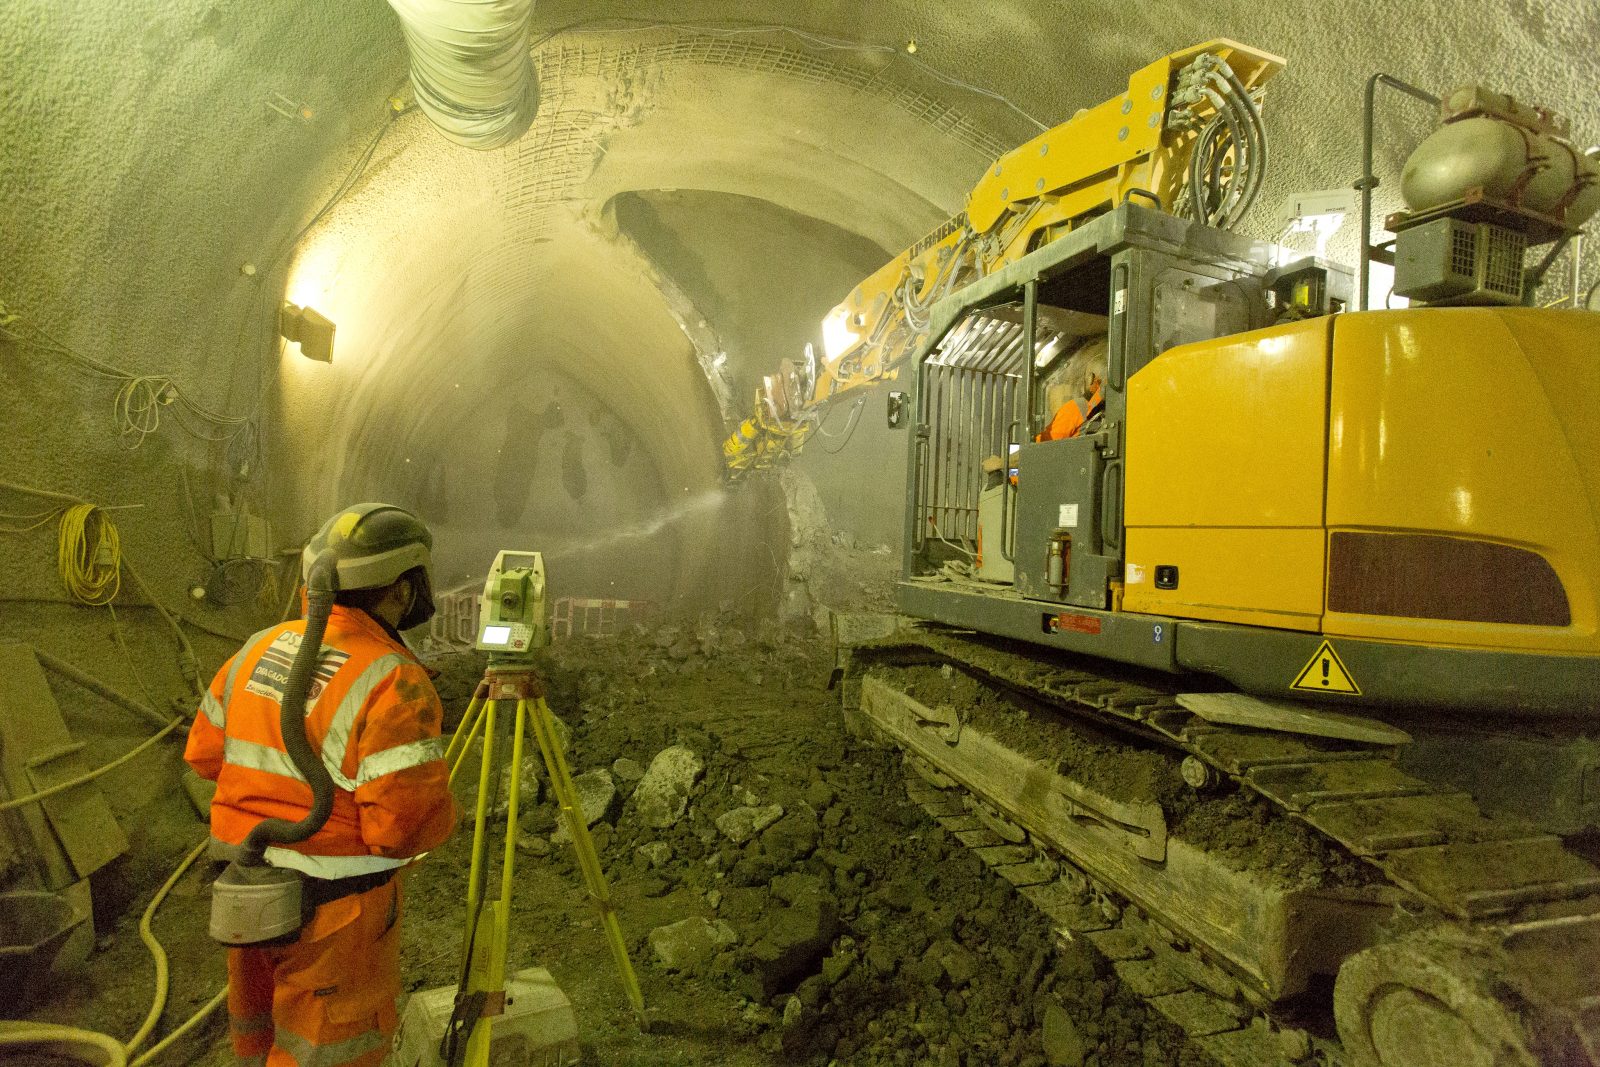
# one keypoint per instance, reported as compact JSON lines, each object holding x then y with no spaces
{"x":374,"y":544}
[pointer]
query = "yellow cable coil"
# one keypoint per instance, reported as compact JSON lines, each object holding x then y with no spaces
{"x":91,"y":570}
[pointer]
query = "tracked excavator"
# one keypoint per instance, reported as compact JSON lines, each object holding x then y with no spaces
{"x":1279,"y":681}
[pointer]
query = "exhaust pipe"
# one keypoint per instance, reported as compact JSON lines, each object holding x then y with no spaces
{"x":471,"y":67}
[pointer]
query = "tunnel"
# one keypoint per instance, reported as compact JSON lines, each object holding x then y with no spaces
{"x":252,"y":276}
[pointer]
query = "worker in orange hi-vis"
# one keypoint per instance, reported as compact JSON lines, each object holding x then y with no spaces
{"x":326,"y":995}
{"x":1078,"y":398}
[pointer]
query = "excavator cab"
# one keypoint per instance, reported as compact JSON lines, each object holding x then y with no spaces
{"x":1051,"y":538}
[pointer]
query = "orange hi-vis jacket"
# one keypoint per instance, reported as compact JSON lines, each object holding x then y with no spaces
{"x":374,"y":716}
{"x":1071,"y":417}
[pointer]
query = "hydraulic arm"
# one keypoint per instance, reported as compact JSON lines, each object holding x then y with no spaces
{"x":1185,"y":137}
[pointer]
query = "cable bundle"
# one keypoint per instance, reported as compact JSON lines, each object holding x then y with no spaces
{"x":90,"y":569}
{"x":1229,"y":160}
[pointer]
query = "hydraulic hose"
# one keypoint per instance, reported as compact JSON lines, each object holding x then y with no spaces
{"x":321,"y":586}
{"x":93,"y":1047}
{"x":1258,"y":129}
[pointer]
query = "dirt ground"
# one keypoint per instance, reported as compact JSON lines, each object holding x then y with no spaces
{"x":844,"y":928}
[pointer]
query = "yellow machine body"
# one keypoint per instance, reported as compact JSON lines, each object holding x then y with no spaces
{"x":1136,"y":144}
{"x":1425,"y":477}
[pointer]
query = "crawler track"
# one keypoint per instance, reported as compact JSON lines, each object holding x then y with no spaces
{"x":1503,"y":923}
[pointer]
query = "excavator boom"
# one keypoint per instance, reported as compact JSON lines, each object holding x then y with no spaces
{"x":1185,"y":137}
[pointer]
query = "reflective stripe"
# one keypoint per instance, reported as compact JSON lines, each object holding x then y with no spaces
{"x":257,"y":757}
{"x":337,"y":739}
{"x":330,"y":867}
{"x":399,"y":758}
{"x":212,"y":708}
{"x":253,"y":1024}
{"x":238,"y":661}
{"x":308,"y":1055}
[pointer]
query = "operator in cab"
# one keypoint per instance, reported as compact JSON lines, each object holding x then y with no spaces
{"x":327,"y":995}
{"x":1080,"y":396}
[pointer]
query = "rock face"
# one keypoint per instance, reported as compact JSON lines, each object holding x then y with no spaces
{"x":741,"y":824}
{"x":663,"y":793}
{"x":627,"y":770}
{"x":688,"y":945}
{"x":596,"y":795}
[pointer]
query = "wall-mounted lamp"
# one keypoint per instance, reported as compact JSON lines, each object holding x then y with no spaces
{"x":311,"y":329}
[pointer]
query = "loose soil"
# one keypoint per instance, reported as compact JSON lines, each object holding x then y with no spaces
{"x":865,"y":934}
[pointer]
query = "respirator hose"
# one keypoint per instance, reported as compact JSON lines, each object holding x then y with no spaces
{"x":321,"y":586}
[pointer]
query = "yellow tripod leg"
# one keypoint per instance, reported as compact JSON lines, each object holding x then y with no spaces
{"x":480,"y":840}
{"x":466,"y":728}
{"x":487,"y":968}
{"x":555,"y":762}
{"x":464,"y":734}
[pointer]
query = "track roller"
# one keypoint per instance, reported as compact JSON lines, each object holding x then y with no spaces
{"x":1441,"y":997}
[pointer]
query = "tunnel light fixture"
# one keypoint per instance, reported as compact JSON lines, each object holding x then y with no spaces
{"x":309,"y":328}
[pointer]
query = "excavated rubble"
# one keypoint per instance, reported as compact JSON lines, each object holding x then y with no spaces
{"x":846,"y":926}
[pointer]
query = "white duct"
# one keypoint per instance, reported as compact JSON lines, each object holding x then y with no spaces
{"x":471,"y":67}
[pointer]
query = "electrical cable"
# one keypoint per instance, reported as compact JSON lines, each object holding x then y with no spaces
{"x":89,"y":776}
{"x":851,"y":422}
{"x":188,"y":662}
{"x":159,"y":954}
{"x":95,"y":685}
{"x":127,"y":654}
{"x":91,"y":571}
{"x":137,"y":405}
{"x":189,"y":1024}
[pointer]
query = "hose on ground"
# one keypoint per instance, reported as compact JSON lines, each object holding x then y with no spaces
{"x":94,"y":1047}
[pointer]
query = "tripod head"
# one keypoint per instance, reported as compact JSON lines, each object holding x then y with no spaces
{"x":511,"y":612}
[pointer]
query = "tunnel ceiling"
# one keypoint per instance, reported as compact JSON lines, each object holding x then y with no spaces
{"x":152,"y":149}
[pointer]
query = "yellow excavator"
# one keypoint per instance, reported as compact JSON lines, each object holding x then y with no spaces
{"x":1278,"y":680}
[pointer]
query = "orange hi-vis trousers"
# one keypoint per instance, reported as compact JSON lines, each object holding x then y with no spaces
{"x":328,"y":999}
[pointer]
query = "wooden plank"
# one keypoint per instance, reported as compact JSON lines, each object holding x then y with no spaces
{"x":81,"y":817}
{"x":1371,"y":827}
{"x":1298,"y":786}
{"x":1241,"y":709}
{"x":1251,"y":1046}
{"x":958,"y":823}
{"x":1142,"y":822}
{"x":1245,"y":918}
{"x":74,"y":833}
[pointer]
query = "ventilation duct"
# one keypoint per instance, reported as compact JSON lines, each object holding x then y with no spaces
{"x":471,"y":67}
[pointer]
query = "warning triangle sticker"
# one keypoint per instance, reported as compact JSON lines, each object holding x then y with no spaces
{"x":1326,"y":673}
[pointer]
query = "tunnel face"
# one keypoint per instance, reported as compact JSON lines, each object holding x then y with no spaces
{"x":541,"y":346}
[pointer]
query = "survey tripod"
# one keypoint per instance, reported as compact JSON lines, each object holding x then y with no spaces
{"x":481,"y":992}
